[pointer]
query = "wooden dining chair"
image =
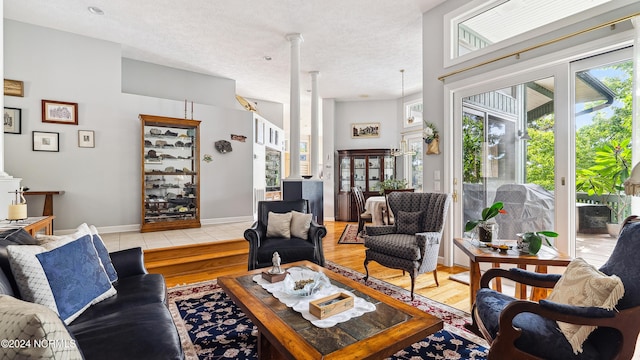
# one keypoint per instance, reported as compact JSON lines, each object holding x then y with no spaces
{"x":363,"y":216}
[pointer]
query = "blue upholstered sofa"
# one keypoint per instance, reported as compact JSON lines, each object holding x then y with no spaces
{"x":135,"y":323}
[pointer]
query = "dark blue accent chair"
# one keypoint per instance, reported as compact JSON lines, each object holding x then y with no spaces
{"x":520,"y":329}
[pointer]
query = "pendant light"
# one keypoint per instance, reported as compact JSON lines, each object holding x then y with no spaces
{"x":403,"y":150}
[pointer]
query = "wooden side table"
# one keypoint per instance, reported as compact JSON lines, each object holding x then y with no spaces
{"x":546,"y":257}
{"x":32,"y":225}
{"x":48,"y":200}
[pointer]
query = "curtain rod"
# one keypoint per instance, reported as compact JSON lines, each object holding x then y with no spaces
{"x":533,"y":47}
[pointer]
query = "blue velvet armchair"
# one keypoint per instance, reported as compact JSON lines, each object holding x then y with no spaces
{"x":518,"y":329}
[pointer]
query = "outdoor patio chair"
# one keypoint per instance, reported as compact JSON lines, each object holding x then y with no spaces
{"x":520,"y":329}
{"x":412,"y":243}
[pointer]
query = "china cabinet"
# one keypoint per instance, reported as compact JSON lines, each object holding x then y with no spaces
{"x":170,"y":173}
{"x":363,"y":168}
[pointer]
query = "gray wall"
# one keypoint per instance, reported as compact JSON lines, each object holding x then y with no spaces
{"x":382,"y":111}
{"x":102,"y":184}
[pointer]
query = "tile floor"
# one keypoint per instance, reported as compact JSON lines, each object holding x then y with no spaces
{"x":162,"y":239}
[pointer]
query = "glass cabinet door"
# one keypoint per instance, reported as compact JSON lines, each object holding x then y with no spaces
{"x":389,"y":167}
{"x":360,"y":172}
{"x":345,"y":174}
{"x":375,"y":172}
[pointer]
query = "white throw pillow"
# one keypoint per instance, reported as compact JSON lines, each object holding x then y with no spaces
{"x":300,"y":224}
{"x":66,"y":276}
{"x":278,"y":225}
{"x":35,"y":331}
{"x":584,"y":285}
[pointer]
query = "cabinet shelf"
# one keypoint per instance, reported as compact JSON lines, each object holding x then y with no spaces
{"x":364,"y":168}
{"x":170,"y":173}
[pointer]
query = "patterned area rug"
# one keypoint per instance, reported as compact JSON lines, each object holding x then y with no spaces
{"x":212,"y":327}
{"x":350,"y":235}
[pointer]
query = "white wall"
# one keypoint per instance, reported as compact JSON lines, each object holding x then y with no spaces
{"x":102,"y":184}
{"x":384,"y":112}
{"x":144,"y":78}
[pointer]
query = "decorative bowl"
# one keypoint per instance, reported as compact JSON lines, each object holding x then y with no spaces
{"x":304,"y":282}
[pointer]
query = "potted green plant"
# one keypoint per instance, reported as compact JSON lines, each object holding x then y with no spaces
{"x":606,"y":179}
{"x":485,"y":228}
{"x":391,"y":184}
{"x":531,"y":242}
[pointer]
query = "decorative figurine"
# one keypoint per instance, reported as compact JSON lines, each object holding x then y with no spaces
{"x":276,"y":273}
{"x":275,"y":260}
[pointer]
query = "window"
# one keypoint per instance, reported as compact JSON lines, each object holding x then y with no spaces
{"x":484,"y":26}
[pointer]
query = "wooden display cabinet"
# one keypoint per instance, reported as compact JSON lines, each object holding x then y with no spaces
{"x":170,"y":159}
{"x":364,"y":168}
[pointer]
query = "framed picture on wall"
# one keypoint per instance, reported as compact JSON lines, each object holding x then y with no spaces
{"x":59,"y":112}
{"x":12,"y":120}
{"x":365,"y":130}
{"x":14,"y":87}
{"x":86,"y":139}
{"x":46,"y":141}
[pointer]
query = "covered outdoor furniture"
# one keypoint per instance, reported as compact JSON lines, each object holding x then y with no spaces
{"x":363,"y":216}
{"x":529,"y":207}
{"x":412,"y":243}
{"x":262,"y":247}
{"x":519,"y":329}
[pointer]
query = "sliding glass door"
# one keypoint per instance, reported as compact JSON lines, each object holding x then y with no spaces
{"x":508,"y":156}
{"x":603,"y":121}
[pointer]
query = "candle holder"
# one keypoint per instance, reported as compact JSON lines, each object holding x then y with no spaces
{"x":18,"y":207}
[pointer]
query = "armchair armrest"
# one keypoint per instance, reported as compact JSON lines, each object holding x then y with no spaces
{"x":430,"y":237}
{"x":128,"y":262}
{"x":623,"y":321}
{"x":253,"y":235}
{"x":380,"y":230}
{"x":578,"y":311}
{"x":522,"y":276}
{"x":316,"y":233}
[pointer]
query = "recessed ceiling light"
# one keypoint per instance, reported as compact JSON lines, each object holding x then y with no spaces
{"x":95,"y":10}
{"x":267,"y":57}
{"x":364,"y":96}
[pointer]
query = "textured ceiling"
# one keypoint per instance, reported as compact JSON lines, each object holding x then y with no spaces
{"x":358,"y":46}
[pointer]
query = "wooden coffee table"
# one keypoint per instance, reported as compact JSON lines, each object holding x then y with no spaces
{"x":284,"y":334}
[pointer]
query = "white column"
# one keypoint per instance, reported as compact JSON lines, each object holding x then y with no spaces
{"x":7,"y":182}
{"x":315,"y":126}
{"x":294,"y":117}
{"x":635,"y":98}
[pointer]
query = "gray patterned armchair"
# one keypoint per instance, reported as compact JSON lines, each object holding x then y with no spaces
{"x":412,"y":243}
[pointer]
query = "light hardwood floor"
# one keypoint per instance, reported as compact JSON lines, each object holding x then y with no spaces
{"x":352,"y":256}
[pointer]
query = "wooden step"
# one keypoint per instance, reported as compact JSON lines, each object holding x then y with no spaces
{"x":174,"y":252}
{"x":199,"y":258}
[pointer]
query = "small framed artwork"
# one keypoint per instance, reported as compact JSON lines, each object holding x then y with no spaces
{"x":14,"y":87}
{"x":365,"y":130}
{"x":12,"y":120}
{"x":46,"y":141}
{"x":59,"y":112}
{"x":86,"y":139}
